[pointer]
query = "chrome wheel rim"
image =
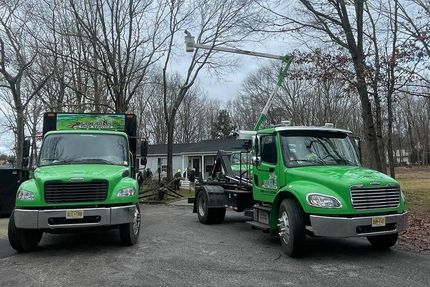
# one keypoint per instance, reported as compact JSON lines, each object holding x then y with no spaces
{"x":202,"y":206}
{"x":284,"y":227}
{"x":136,"y":221}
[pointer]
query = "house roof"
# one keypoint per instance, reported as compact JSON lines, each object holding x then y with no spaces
{"x":205,"y":146}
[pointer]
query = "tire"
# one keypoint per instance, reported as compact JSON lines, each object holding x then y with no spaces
{"x":23,"y":240}
{"x":383,"y":241}
{"x":129,"y":232}
{"x":208,"y":215}
{"x":292,"y":230}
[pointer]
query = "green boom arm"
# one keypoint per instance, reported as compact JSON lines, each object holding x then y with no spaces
{"x":190,"y":45}
{"x":281,"y":78}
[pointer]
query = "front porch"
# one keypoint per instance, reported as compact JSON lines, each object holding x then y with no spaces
{"x":202,"y":164}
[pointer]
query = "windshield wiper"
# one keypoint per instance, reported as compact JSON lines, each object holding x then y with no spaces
{"x":346,"y":161}
{"x":316,"y":160}
{"x":338,"y":156}
{"x":57,"y":161}
{"x":95,"y":160}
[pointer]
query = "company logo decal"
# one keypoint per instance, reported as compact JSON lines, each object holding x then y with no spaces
{"x":271,"y":182}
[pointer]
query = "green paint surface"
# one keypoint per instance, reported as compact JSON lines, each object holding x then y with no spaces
{"x":113,"y":174}
{"x":277,"y":181}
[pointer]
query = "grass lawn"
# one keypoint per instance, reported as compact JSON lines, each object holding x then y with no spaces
{"x":415,"y":183}
{"x":168,"y":197}
{"x":186,"y":193}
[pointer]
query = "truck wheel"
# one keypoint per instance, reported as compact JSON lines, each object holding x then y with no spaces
{"x":129,"y":232}
{"x":23,"y":240}
{"x":383,"y":241}
{"x":208,"y":215}
{"x":291,"y":227}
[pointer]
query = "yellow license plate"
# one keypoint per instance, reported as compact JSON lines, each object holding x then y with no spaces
{"x":378,"y":221}
{"x":74,"y":214}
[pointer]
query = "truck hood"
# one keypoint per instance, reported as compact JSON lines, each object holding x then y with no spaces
{"x":340,"y":177}
{"x":79,"y":172}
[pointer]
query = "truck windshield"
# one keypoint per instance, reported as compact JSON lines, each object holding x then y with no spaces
{"x":84,"y":148}
{"x":304,"y":148}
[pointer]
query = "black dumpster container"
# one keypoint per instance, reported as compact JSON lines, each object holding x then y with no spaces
{"x":10,"y":179}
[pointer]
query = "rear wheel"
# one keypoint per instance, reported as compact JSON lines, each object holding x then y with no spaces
{"x":383,"y":241}
{"x":129,"y":232}
{"x":208,"y":215}
{"x":23,"y":240}
{"x":291,"y":227}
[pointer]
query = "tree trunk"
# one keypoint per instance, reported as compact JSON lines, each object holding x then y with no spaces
{"x":120,"y":104}
{"x":390,"y":136}
{"x":170,"y":134}
{"x":357,"y":54}
{"x":369,"y":127}
{"x":379,"y":133}
{"x":19,"y":135}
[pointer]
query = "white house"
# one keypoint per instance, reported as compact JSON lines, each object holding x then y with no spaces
{"x":200,"y":155}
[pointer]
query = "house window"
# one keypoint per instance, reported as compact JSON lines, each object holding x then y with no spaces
{"x":162,"y":162}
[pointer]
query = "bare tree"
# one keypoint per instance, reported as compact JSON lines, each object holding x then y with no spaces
{"x":124,"y":41}
{"x":340,"y":26}
{"x":220,"y":23}
{"x":304,"y":99}
{"x":18,"y":53}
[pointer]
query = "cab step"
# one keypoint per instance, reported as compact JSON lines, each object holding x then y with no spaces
{"x":259,"y":225}
{"x":249,"y":213}
{"x":263,"y":208}
{"x":262,"y":214}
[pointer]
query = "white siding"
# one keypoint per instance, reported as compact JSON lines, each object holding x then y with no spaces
{"x":153,"y":163}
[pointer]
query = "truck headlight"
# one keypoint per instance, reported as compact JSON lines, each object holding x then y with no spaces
{"x":323,"y":201}
{"x":129,"y":191}
{"x":24,"y":195}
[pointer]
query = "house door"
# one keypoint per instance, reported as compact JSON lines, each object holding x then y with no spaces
{"x":196,"y":166}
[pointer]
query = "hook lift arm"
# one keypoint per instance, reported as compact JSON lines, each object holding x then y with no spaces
{"x":190,"y":45}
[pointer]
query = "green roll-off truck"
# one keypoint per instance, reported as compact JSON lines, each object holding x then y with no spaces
{"x":305,"y":181}
{"x":301,"y":181}
{"x":84,"y":178}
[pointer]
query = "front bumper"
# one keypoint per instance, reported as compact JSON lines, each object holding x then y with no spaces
{"x":357,"y":226}
{"x":56,"y":218}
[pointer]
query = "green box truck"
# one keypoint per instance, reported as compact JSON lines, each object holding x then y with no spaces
{"x":305,"y":181}
{"x":84,"y":178}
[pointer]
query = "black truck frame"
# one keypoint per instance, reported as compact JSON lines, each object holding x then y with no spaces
{"x":226,"y":189}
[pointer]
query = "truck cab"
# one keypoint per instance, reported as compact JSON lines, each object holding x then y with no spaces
{"x":84,"y":178}
{"x":307,"y":181}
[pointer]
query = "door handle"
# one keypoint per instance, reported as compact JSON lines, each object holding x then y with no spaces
{"x":271,"y":169}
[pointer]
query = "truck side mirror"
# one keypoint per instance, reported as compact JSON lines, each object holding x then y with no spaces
{"x":256,"y":157}
{"x":25,"y":153}
{"x":357,"y":144}
{"x":143,"y":152}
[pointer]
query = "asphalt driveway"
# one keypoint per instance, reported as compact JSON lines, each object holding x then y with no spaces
{"x":176,"y":250}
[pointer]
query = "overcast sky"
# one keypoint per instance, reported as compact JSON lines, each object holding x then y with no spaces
{"x":222,"y":88}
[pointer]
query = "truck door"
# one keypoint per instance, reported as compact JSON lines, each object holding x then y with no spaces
{"x":265,"y":175}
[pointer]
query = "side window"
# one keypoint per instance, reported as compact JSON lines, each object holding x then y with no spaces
{"x":268,"y":149}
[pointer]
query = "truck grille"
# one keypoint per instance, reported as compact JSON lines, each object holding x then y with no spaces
{"x":60,"y":192}
{"x":375,"y":197}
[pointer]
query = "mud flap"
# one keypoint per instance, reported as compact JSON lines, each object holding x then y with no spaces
{"x":216,"y":196}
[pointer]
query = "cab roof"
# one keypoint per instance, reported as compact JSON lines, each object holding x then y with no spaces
{"x":302,"y":128}
{"x":105,"y":132}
